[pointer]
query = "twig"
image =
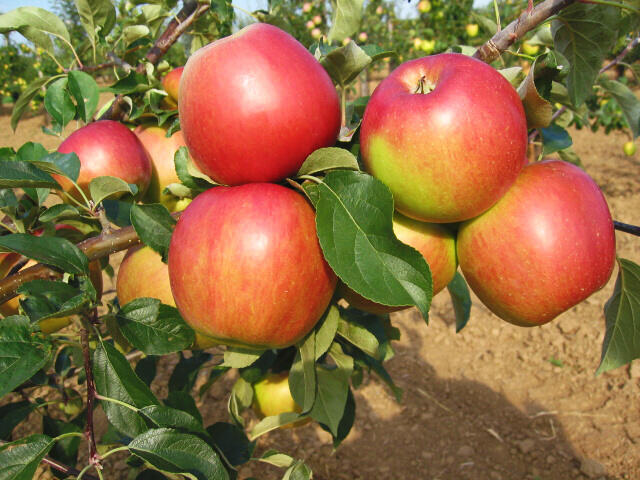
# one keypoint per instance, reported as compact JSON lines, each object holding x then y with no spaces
{"x":94,"y":458}
{"x":503,"y":39}
{"x":626,"y":228}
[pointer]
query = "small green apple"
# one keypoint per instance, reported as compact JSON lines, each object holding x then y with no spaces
{"x":472,"y":29}
{"x":529,"y":49}
{"x":424,"y":6}
{"x":629,"y":148}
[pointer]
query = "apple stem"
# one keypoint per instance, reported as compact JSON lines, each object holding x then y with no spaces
{"x":424,"y":86}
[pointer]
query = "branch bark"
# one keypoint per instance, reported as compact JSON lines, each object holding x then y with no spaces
{"x":94,"y":458}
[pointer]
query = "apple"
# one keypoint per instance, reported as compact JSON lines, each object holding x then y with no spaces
{"x":471,"y":29}
{"x":317,"y":20}
{"x":106,"y":147}
{"x":436,"y":243}
{"x":427,"y":46}
{"x":529,"y":49}
{"x":161,"y":151}
{"x":142,"y":273}
{"x":417,"y":43}
{"x":171,"y":82}
{"x":254,"y":105}
{"x":363,"y":37}
{"x":306,"y":7}
{"x":310,"y":25}
{"x":379,"y":10}
{"x":424,"y":6}
{"x":246,"y":267}
{"x":316,"y":33}
{"x":272,"y":396}
{"x":547,"y":245}
{"x":447,"y":134}
{"x":629,"y":148}
{"x":346,"y":41}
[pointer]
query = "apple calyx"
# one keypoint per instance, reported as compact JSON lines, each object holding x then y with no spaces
{"x":424,"y":86}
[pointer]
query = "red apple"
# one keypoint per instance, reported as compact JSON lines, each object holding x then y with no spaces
{"x":437,"y":245}
{"x":106,"y":148}
{"x":246,"y":267}
{"x":161,"y":151}
{"x":272,"y":396}
{"x":171,"y":82}
{"x":447,"y":134}
{"x":547,"y":245}
{"x":254,"y":105}
{"x":142,"y":273}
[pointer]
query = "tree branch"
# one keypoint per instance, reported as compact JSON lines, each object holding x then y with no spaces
{"x":94,"y":458}
{"x":503,"y":39}
{"x":626,"y":228}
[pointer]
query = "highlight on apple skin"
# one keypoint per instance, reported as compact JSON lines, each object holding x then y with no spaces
{"x":547,"y":245}
{"x":254,"y":105}
{"x":246,"y":266}
{"x":429,"y":134}
{"x":435,"y":242}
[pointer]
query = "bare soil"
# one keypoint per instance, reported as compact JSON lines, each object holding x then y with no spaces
{"x":487,"y":403}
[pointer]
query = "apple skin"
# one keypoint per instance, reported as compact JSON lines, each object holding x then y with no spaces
{"x":109,"y":148}
{"x":246,"y":267}
{"x":629,"y":148}
{"x":171,"y":83}
{"x":161,"y":150}
{"x":436,"y":244}
{"x":254,"y":105}
{"x":142,"y":273}
{"x":272,"y":396}
{"x":448,"y":155}
{"x":547,"y":245}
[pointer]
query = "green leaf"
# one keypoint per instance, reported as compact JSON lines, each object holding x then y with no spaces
{"x":51,"y":298}
{"x":67,"y":164}
{"x":175,"y":452}
{"x":11,"y":414}
{"x":622,"y":313}
{"x":161,"y":416}
{"x":154,"y":224}
{"x":461,"y":300}
{"x":354,"y":223}
{"x":627,"y":100}
{"x":329,"y":158}
{"x":103,"y":187}
{"x":19,"y":460}
{"x":302,"y":376}
{"x":185,"y":372}
{"x":85,"y":91}
{"x":36,"y":25}
{"x":21,"y":353}
{"x":134,"y":32}
{"x":146,"y":369}
{"x":268,"y":424}
{"x":98,"y":17}
{"x":115,"y":379}
{"x":344,"y":64}
{"x":188,"y":173}
{"x":584,"y":34}
{"x":554,"y":138}
{"x":347,"y":420}
{"x":298,"y":471}
{"x":240,"y":357}
{"x":154,"y":328}
{"x":16,"y":174}
{"x":240,"y":399}
{"x":376,"y":52}
{"x":25,"y":98}
{"x":357,"y":334}
{"x":58,"y":212}
{"x":538,"y":110}
{"x":182,"y":400}
{"x":118,"y":212}
{"x":66,"y":449}
{"x":58,"y":102}
{"x":232,"y":442}
{"x":326,"y":331}
{"x":277,"y":459}
{"x":347,"y":15}
{"x":54,"y":251}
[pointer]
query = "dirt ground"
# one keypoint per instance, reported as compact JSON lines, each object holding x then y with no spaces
{"x":486,"y":403}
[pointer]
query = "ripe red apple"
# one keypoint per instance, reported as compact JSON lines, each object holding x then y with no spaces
{"x":171,"y":82}
{"x":547,"y":245}
{"x":106,"y":147}
{"x":161,"y":151}
{"x":246,"y":267}
{"x":142,"y":273}
{"x":254,"y":105}
{"x":437,"y":245}
{"x":447,"y":134}
{"x":272,"y":396}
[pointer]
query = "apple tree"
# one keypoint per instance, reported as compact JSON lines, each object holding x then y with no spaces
{"x":263,"y":250}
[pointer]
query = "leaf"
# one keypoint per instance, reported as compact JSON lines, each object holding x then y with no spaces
{"x":554,"y":138}
{"x":25,"y":98}
{"x":161,"y":416}
{"x":85,"y":91}
{"x":36,"y":25}
{"x":584,"y":34}
{"x":174,"y":452}
{"x":302,"y":375}
{"x":11,"y":414}
{"x":240,"y":357}
{"x":273,"y":422}
{"x":240,"y":399}
{"x":622,"y":314}
{"x":183,"y":401}
{"x":376,"y":52}
{"x":105,"y":186}
{"x":146,"y":369}
{"x":154,"y":225}
{"x":134,"y":32}
{"x":118,"y":212}
{"x":344,"y":64}
{"x":19,"y":460}
{"x":67,"y":164}
{"x":154,"y":328}
{"x":627,"y":100}
{"x":115,"y":379}
{"x":326,"y":331}
{"x":58,"y":102}
{"x":347,"y":15}
{"x":97,"y":17}
{"x":514,"y":75}
{"x":329,"y":158}
{"x":51,"y":298}
{"x":58,"y":212}
{"x":21,"y":353}
{"x":277,"y":459}
{"x":232,"y":442}
{"x":16,"y":174}
{"x":537,"y":109}
{"x":66,"y":449}
{"x":461,"y":300}
{"x":298,"y":471}
{"x":185,"y":372}
{"x":188,"y":174}
{"x":354,"y":223}
{"x":55,"y":251}
{"x":357,"y":334}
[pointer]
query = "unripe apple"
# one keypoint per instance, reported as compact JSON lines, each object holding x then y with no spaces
{"x":547,"y":245}
{"x":106,"y":147}
{"x":142,"y":273}
{"x":427,"y":46}
{"x":629,"y":148}
{"x":379,"y":10}
{"x":436,"y":243}
{"x":171,"y":83}
{"x":317,"y":20}
{"x":346,"y":41}
{"x":529,"y":49}
{"x":316,"y":33}
{"x":254,"y":105}
{"x":363,"y":37}
{"x":447,"y":134}
{"x":246,"y":267}
{"x":424,"y":6}
{"x":310,"y":25}
{"x":306,"y":7}
{"x":272,"y":396}
{"x":471,"y":29}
